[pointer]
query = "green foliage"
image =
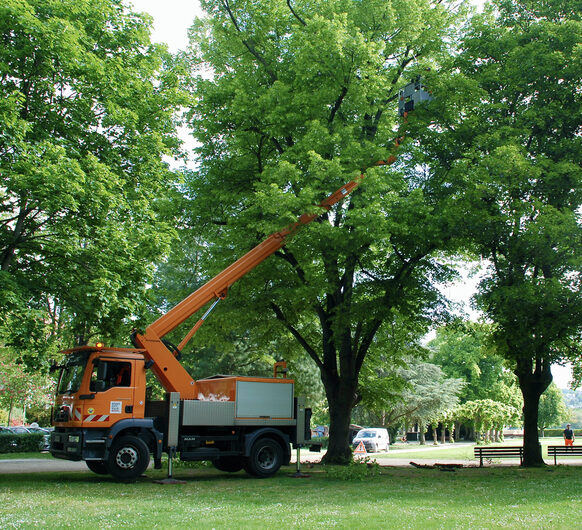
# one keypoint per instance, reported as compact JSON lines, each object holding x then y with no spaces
{"x":382,"y":381}
{"x":88,"y":112}
{"x":359,"y":470}
{"x":302,"y":98}
{"x":485,"y":415}
{"x":21,"y":443}
{"x":427,"y":393}
{"x":463,"y":351}
{"x":559,"y":432}
{"x":552,"y":409}
{"x":21,"y":389}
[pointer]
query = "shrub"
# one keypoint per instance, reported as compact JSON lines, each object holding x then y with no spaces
{"x":21,"y":443}
{"x":360,"y":470}
{"x":559,"y":432}
{"x":323,"y":440}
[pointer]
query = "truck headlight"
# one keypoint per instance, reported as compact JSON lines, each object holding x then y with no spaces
{"x":74,"y":438}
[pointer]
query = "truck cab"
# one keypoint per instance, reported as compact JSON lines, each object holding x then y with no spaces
{"x":100,"y":395}
{"x":100,"y":386}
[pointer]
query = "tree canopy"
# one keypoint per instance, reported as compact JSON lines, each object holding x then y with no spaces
{"x":511,"y":142}
{"x":302,"y":97}
{"x":87,"y":106}
{"x":464,"y":351}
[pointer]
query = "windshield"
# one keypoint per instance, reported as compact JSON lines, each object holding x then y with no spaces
{"x":366,"y":434}
{"x":72,"y":373}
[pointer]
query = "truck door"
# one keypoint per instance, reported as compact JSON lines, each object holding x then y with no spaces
{"x":112,"y":384}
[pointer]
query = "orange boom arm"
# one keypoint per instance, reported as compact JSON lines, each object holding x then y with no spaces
{"x":166,"y":366}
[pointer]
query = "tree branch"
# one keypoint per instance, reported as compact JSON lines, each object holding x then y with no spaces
{"x":289,"y":257}
{"x":304,"y":344}
{"x":295,"y":14}
{"x":248,"y":43}
{"x":337,"y":104}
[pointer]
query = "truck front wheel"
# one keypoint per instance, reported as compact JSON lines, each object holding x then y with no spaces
{"x":265,"y":458}
{"x":128,"y":458}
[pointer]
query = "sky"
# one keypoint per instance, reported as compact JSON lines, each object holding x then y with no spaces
{"x":172,"y":18}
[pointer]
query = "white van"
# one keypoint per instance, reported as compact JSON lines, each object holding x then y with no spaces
{"x":374,"y":440}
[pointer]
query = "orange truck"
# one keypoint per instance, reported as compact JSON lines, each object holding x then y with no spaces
{"x":102,"y":413}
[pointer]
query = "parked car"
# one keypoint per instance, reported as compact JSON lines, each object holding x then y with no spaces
{"x":19,"y":429}
{"x":46,"y":439}
{"x":30,"y":428}
{"x":374,"y":440}
{"x":46,"y":444}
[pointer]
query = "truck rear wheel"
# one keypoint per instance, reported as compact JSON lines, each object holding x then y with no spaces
{"x":232,"y":464}
{"x":265,"y":458}
{"x":97,"y":466}
{"x":128,"y":458}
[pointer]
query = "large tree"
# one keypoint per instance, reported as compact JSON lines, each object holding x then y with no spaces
{"x":512,"y":140}
{"x":294,"y":99}
{"x":87,"y":109}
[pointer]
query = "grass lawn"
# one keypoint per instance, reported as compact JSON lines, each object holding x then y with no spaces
{"x":507,"y":497}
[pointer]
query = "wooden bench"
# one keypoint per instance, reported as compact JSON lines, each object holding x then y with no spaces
{"x":506,"y":451}
{"x":563,"y":450}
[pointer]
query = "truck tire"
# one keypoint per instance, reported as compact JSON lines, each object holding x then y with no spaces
{"x":97,"y":466}
{"x":129,"y":457}
{"x":232,"y":464}
{"x":265,"y":458}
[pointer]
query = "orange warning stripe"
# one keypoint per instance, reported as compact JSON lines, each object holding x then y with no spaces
{"x":96,"y":417}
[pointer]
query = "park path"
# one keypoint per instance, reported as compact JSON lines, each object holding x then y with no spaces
{"x":42,"y":465}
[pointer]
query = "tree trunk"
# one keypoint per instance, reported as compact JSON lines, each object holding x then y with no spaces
{"x":341,"y":399}
{"x":10,"y":412}
{"x":533,"y":381}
